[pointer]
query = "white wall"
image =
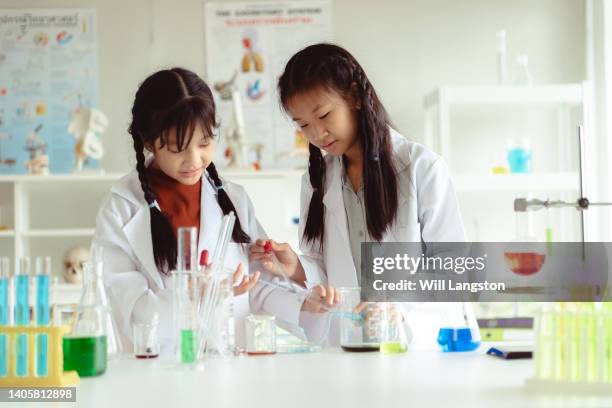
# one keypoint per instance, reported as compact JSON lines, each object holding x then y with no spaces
{"x":407,"y":47}
{"x":599,"y":70}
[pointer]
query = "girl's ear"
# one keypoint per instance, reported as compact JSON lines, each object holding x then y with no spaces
{"x":149,"y":147}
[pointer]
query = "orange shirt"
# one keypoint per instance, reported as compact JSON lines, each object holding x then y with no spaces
{"x":178,"y":202}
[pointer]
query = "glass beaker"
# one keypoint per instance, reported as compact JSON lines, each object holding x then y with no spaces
{"x":146,"y":339}
{"x":360,"y":323}
{"x":525,"y":255}
{"x":260,"y":335}
{"x":393,"y":336}
{"x":216,"y":313}
{"x":459,"y":330}
{"x":519,"y":157}
{"x":85,"y":344}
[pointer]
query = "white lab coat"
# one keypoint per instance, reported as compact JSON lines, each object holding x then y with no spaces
{"x":136,"y":288}
{"x":427,"y":212}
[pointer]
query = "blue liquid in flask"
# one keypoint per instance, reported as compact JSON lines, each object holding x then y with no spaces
{"x":457,"y":339}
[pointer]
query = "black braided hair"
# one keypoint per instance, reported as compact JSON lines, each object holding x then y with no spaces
{"x":173,"y":99}
{"x":238,"y":235}
{"x":334,"y":68}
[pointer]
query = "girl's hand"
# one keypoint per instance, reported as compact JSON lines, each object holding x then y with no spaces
{"x":320,"y":299}
{"x":243,"y":283}
{"x":262,"y":251}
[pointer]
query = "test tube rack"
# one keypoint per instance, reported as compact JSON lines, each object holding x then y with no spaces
{"x":56,"y":377}
{"x":573,"y":350}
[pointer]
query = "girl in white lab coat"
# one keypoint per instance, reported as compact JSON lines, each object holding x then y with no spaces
{"x":178,"y":185}
{"x":371,"y":185}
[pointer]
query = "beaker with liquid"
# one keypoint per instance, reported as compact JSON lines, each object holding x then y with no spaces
{"x":260,"y":335}
{"x":360,"y":323}
{"x":459,"y":329}
{"x":519,"y":158}
{"x":393,"y":335}
{"x":146,"y":339}
{"x":525,"y":255}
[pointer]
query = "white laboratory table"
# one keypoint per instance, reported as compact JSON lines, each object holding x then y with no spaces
{"x":331,"y":378}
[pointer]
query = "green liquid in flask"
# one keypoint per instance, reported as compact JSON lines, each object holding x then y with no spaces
{"x":393,"y":347}
{"x":86,"y":355}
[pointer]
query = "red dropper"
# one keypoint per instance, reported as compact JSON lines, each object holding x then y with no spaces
{"x":204,"y":258}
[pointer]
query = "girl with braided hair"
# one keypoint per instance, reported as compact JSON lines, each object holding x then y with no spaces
{"x":176,"y":184}
{"x":365,"y":182}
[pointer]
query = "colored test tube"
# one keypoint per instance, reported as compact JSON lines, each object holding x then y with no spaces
{"x":22,"y":314}
{"x":43,"y":274}
{"x":4,"y":314}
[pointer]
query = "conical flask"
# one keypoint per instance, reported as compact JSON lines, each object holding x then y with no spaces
{"x":459,"y":329}
{"x":93,"y":318}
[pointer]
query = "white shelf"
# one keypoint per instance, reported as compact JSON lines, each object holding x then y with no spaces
{"x":498,"y":94}
{"x":232,"y":174}
{"x":60,"y":177}
{"x":7,"y":234}
{"x":228,"y":174}
{"x":64,"y":232}
{"x":516,"y":182}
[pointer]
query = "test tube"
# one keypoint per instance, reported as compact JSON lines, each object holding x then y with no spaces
{"x":187,"y":252}
{"x":184,"y":317}
{"x":43,"y":274}
{"x":4,"y":314}
{"x":22,"y":314}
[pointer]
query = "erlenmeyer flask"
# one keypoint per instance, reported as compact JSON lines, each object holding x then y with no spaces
{"x":93,"y":335}
{"x":94,"y":294}
{"x":459,"y":330}
{"x":85,"y":344}
{"x":525,"y":255}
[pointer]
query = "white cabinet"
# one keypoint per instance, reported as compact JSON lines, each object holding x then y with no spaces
{"x":470,"y":125}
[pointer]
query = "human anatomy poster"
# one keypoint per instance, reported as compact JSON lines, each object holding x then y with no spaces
{"x":48,"y":70}
{"x":247,"y":47}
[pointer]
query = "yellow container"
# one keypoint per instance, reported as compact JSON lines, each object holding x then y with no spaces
{"x":56,"y":377}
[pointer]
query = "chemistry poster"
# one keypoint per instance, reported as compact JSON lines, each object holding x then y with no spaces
{"x":48,"y":69}
{"x":253,"y":41}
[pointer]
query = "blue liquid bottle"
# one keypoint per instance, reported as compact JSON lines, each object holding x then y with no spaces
{"x":22,"y":314}
{"x":43,"y":275}
{"x":459,"y":330}
{"x":4,"y":313}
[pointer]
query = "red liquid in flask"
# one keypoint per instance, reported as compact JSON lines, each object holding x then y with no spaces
{"x":524,"y":263}
{"x":260,"y":353}
{"x":143,"y":356}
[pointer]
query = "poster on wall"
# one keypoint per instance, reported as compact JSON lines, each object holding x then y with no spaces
{"x":48,"y":70}
{"x":247,"y":47}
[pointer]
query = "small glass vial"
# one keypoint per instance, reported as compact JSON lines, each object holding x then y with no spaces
{"x":523,"y":76}
{"x":260,"y":335}
{"x":146,"y":339}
